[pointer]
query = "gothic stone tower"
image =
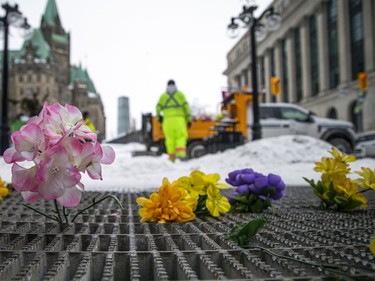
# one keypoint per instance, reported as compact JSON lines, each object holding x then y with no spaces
{"x":58,"y":40}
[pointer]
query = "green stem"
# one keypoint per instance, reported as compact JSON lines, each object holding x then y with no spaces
{"x":58,"y":211}
{"x":43,"y":214}
{"x":365,"y":190}
{"x":97,"y":202}
{"x":65,"y":215}
{"x":336,"y":268}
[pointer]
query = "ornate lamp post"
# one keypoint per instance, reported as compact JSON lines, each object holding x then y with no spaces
{"x":12,"y":17}
{"x":258,"y":32}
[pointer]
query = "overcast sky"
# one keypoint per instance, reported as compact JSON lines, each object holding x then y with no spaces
{"x":132,"y":48}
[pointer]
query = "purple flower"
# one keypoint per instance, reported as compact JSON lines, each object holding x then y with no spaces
{"x":243,"y":189}
{"x":276,"y":181}
{"x":239,"y":177}
{"x":250,"y":182}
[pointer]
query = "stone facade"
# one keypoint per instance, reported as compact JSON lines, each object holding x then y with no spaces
{"x":41,"y":71}
{"x":317,"y":53}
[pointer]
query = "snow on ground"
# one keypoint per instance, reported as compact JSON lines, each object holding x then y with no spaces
{"x":291,"y":157}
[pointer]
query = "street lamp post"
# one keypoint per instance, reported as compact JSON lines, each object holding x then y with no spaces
{"x":12,"y":17}
{"x":257,"y":31}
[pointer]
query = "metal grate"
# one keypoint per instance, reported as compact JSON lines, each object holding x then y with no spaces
{"x":110,"y":244}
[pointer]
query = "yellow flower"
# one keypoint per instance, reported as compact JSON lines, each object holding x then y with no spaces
{"x":194,"y":183}
{"x":331,"y":166}
{"x":4,"y":191}
{"x":216,"y":203}
{"x":171,"y":203}
{"x":332,"y":170}
{"x":350,"y":189}
{"x":2,"y":183}
{"x":212,"y":181}
{"x":342,"y":157}
{"x":372,"y":246}
{"x":368,"y":178}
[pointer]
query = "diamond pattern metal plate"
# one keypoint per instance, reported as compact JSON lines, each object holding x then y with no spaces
{"x":110,"y":244}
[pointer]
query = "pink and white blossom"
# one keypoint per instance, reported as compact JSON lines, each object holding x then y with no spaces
{"x":59,"y":148}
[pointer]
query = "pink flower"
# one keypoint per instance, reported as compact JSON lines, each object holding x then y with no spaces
{"x":60,"y":147}
{"x":92,"y":156}
{"x":56,"y":173}
{"x":26,"y":143}
{"x":30,"y":197}
{"x":24,"y":179}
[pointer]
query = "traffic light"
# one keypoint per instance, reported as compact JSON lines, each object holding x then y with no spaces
{"x":275,"y":86}
{"x":362,"y":81}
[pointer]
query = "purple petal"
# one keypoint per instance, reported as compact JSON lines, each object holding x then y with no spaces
{"x":261,"y":182}
{"x":232,"y":175}
{"x":248,"y":178}
{"x":247,"y":171}
{"x":255,"y":189}
{"x":274,"y":179}
{"x":243,"y":189}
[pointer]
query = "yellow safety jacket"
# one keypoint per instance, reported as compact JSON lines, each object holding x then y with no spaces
{"x":173,"y":104}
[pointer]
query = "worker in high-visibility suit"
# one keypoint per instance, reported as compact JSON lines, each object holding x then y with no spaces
{"x":173,"y":112}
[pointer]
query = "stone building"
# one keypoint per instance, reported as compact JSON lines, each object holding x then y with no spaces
{"x":317,"y":53}
{"x":41,"y":71}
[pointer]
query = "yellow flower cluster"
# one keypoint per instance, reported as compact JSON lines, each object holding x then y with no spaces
{"x":4,"y":190}
{"x":178,"y":201}
{"x":206,"y":188}
{"x":171,"y":203}
{"x":337,"y":187}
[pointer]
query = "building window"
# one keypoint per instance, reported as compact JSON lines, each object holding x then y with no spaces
{"x":238,"y":82}
{"x":356,"y":37}
{"x":20,"y":78}
{"x":273,"y":71}
{"x":284,"y":83}
{"x":298,"y":66}
{"x":245,"y":78}
{"x":262,"y":78}
{"x":314,"y":56}
{"x":29,"y":78}
{"x":333,"y":50}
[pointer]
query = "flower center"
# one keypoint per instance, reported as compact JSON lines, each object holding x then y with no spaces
{"x":55,"y":170}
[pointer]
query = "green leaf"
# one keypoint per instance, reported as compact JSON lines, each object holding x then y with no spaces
{"x":311,"y":182}
{"x":340,"y":200}
{"x":352,"y":204}
{"x":241,"y":198}
{"x":242,"y":234}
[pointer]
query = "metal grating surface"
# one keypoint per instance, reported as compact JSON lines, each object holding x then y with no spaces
{"x":110,"y":244}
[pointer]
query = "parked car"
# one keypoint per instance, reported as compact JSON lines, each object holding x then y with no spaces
{"x":365,"y":144}
{"x":289,"y":119}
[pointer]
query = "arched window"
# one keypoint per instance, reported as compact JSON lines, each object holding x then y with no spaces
{"x":332,"y":113}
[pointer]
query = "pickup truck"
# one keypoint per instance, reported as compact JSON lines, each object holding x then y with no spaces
{"x":289,"y":119}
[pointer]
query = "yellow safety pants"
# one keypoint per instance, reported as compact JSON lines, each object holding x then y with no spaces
{"x":176,"y":135}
